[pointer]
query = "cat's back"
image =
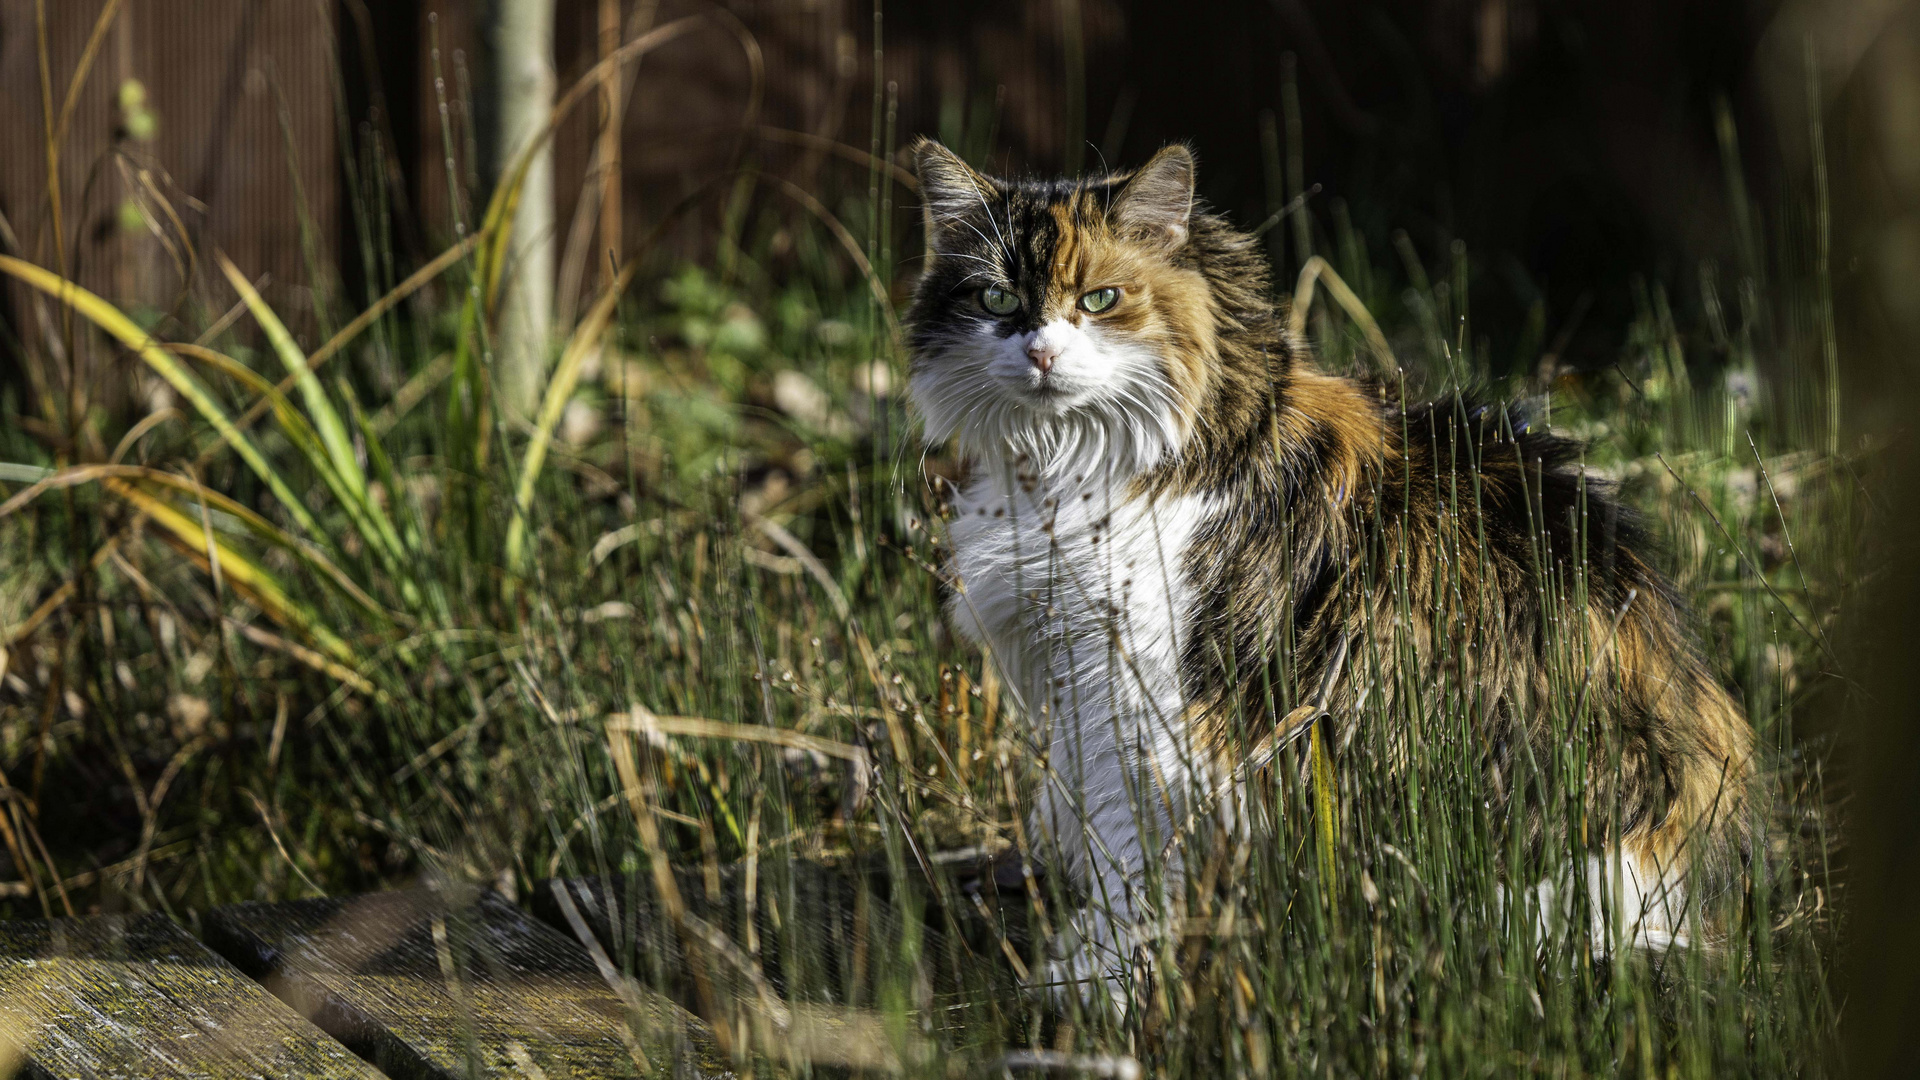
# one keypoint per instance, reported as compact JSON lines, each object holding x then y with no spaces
{"x":1480,"y":480}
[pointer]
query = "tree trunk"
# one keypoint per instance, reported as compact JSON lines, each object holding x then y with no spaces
{"x":523,"y":51}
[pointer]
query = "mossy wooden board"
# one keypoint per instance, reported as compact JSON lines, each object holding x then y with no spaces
{"x":114,"y":997}
{"x":428,"y":987}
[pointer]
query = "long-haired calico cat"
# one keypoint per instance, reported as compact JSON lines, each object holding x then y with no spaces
{"x":1161,"y":487}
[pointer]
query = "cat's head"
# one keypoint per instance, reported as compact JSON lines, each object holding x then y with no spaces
{"x":1065,"y":326}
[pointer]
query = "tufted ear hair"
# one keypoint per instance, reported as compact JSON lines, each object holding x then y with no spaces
{"x":949,"y":187}
{"x":1156,"y":204}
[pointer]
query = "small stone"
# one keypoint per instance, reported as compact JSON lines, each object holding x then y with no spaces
{"x":189,"y":713}
{"x":581,"y":423}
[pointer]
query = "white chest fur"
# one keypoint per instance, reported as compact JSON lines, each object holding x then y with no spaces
{"x":1080,"y":596}
{"x":1080,"y":569}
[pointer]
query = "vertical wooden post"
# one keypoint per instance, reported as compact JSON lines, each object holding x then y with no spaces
{"x":612,"y":116}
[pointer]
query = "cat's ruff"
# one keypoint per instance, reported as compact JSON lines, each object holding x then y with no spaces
{"x":1160,"y":484}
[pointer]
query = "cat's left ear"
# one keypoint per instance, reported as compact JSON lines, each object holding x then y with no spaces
{"x":1156,"y":204}
{"x":950,"y":189}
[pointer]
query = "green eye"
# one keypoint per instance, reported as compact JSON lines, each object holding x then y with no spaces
{"x":999,"y":301}
{"x":1099,"y":300}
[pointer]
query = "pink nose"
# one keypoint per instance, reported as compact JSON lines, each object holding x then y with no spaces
{"x":1043,"y":356}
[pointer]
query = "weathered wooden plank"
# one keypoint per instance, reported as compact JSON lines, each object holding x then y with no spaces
{"x":136,"y":997}
{"x":427,"y":986}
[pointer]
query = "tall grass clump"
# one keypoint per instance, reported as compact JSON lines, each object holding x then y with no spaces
{"x":328,"y":622}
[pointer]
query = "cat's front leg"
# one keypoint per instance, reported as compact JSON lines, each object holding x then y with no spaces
{"x":1104,"y":819}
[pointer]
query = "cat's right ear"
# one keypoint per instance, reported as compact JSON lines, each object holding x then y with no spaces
{"x":1156,"y":205}
{"x":950,"y":189}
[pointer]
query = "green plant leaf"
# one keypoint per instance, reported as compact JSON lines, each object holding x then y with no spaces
{"x":566,"y":376}
{"x":116,"y":324}
{"x":246,"y":576}
{"x":324,"y":417}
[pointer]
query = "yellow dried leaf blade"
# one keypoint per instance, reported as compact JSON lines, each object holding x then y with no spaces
{"x":259,"y":584}
{"x":116,"y":324}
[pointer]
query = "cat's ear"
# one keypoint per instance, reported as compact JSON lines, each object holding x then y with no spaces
{"x":949,"y":187}
{"x":1156,"y":204}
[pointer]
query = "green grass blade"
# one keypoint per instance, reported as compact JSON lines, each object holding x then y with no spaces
{"x":292,"y":424}
{"x":324,"y":417}
{"x":1324,"y":808}
{"x":259,"y":586}
{"x":116,"y":324}
{"x":377,"y":458}
{"x":254,"y":523}
{"x":565,"y":377}
{"x":381,"y":534}
{"x":307,"y":441}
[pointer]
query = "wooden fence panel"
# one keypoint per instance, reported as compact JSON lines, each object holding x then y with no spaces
{"x":243,"y":143}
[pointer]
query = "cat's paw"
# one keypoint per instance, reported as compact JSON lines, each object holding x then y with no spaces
{"x":1097,"y":974}
{"x":1082,"y":978}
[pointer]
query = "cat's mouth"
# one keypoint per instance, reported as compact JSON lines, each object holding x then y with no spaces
{"x":1049,"y":394}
